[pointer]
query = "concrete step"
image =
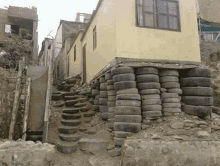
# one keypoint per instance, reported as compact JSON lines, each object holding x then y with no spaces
{"x":71,"y":116}
{"x":66,"y":147}
{"x":71,"y":110}
{"x":67,"y":129}
{"x":93,"y":145}
{"x":71,"y":122}
{"x":69,"y":137}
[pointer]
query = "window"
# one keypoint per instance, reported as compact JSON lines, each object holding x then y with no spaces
{"x":94,"y":38}
{"x":160,"y":14}
{"x":12,"y":29}
{"x":74,"y":53}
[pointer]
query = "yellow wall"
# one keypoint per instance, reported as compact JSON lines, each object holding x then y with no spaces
{"x":106,"y":39}
{"x":75,"y":67}
{"x":136,"y":42}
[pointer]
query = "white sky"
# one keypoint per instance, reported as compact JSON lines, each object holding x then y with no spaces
{"x":51,"y":11}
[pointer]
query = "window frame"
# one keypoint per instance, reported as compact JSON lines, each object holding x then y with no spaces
{"x":156,"y":15}
{"x":74,"y":53}
{"x":12,"y":29}
{"x":94,"y":38}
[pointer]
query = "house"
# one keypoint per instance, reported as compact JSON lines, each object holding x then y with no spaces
{"x":153,"y":30}
{"x":45,"y":52}
{"x":209,"y":20}
{"x":13,"y":19}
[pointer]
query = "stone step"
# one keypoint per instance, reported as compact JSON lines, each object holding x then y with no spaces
{"x":66,"y":147}
{"x":69,"y":137}
{"x":67,"y":129}
{"x":71,"y":116}
{"x":92,"y":145}
{"x":71,"y":110}
{"x":56,"y":96}
{"x":71,"y":122}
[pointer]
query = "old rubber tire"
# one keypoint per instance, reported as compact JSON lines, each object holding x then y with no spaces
{"x":104,"y":116}
{"x":169,"y":95}
{"x":154,"y":96}
{"x":127,"y":91}
{"x":103,"y":86}
{"x":147,"y":78}
{"x":111,"y":98}
{"x":124,"y":85}
{"x":97,"y":97}
{"x":127,"y":110}
{"x":151,"y":102}
{"x":200,"y":111}
{"x":102,"y":80}
{"x":110,"y":82}
{"x":151,"y":108}
{"x":169,"y":79}
{"x":197,"y":91}
{"x":173,"y":110}
{"x":147,"y":70}
{"x":112,"y":109}
{"x":196,"y":81}
{"x":197,"y":100}
{"x":111,"y":115}
{"x":170,"y":85}
{"x":103,"y":101}
{"x":95,"y":92}
{"x":171,"y":100}
{"x":103,"y":109}
{"x":171,"y":105}
{"x":128,"y":97}
{"x":111,"y":103}
{"x":128,"y":127}
{"x":111,"y":92}
{"x":169,"y":73}
{"x":103,"y":94}
{"x":118,"y":141}
{"x":96,"y":102}
{"x":151,"y":113}
{"x":121,"y":70}
{"x":110,"y":87}
{"x":151,"y":85}
{"x":149,"y":91}
{"x":133,"y":103}
{"x":122,"y":134}
{"x":124,"y":77}
{"x":199,"y":72}
{"x":175,"y":90}
{"x":108,"y":76}
{"x":128,"y":118}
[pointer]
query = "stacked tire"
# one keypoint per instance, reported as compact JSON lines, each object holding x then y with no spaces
{"x":197,"y":92}
{"x":128,"y":102}
{"x":96,"y":94}
{"x":103,"y":100}
{"x":169,"y":80}
{"x":111,"y":99}
{"x":149,"y":87}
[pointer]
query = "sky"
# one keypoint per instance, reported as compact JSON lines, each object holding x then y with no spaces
{"x":50,"y":12}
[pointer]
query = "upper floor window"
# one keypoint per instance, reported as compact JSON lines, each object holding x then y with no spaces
{"x":74,"y":53}
{"x":160,"y":14}
{"x":12,"y":29}
{"x":94,"y":38}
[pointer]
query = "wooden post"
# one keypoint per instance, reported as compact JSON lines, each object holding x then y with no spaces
{"x":16,"y":100}
{"x":47,"y":106}
{"x":27,"y":100}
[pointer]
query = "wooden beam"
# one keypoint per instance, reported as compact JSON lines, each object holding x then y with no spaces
{"x":47,"y":106}
{"x":16,"y":101}
{"x":26,"y":112}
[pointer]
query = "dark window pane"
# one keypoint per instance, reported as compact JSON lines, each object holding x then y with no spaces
{"x":172,"y":8}
{"x":162,"y":7}
{"x":140,"y":2}
{"x":149,"y":20}
{"x":148,"y":5}
{"x":140,"y":16}
{"x":173,"y":22}
{"x":162,"y":21}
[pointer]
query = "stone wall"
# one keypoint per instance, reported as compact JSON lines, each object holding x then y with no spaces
{"x":147,"y":153}
{"x":26,"y":153}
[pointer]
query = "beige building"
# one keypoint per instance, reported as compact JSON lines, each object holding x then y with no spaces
{"x":149,"y":30}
